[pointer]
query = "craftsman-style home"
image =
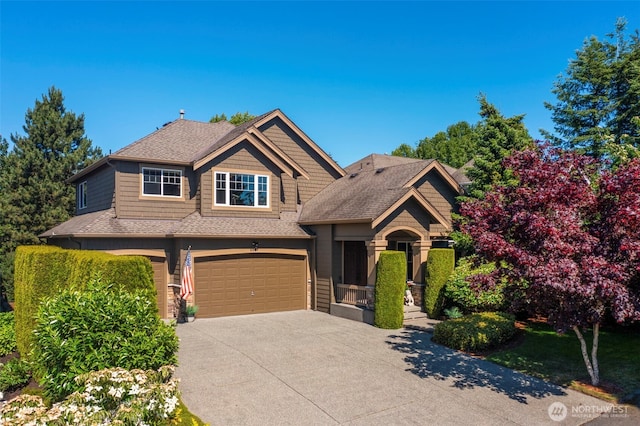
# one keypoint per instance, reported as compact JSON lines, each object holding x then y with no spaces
{"x":272,"y":221}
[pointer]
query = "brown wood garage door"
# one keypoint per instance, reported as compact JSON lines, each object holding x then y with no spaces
{"x":248,"y":284}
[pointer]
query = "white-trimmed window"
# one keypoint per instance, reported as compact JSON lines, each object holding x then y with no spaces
{"x":82,"y":195}
{"x":241,"y":189}
{"x":161,"y":182}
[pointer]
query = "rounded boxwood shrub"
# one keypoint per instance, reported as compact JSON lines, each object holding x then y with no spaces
{"x":475,"y":332}
{"x":100,"y":327}
{"x":391,"y":273}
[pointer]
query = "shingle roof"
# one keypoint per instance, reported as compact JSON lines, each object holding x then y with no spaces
{"x":105,"y":224}
{"x":177,"y":141}
{"x":364,"y":194}
{"x":377,"y":161}
{"x":196,"y":225}
{"x":460,"y":175}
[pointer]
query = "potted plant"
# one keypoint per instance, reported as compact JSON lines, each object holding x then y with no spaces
{"x":191,"y":312}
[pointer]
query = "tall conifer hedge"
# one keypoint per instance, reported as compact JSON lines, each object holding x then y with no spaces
{"x":391,"y":273}
{"x":440,"y":265}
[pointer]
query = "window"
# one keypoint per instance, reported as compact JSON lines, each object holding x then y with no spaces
{"x":241,"y":189}
{"x":162,"y":182}
{"x":82,"y":195}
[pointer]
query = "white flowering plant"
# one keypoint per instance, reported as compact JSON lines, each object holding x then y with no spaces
{"x":111,"y":396}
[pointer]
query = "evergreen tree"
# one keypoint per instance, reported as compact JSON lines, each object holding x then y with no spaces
{"x":598,"y":98}
{"x":498,"y":137}
{"x":34,"y":194}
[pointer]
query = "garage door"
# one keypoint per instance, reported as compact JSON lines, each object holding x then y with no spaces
{"x":248,"y":284}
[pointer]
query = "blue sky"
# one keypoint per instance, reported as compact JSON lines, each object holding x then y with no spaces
{"x":357,"y":77}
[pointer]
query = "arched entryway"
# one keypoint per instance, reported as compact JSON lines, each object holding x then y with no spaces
{"x":410,"y":242}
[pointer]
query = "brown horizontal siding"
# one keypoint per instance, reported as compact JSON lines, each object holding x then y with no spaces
{"x":323,"y":292}
{"x":411,"y":216}
{"x":288,"y":193}
{"x":242,"y":158}
{"x":439,"y":193}
{"x":132,"y":205}
{"x":100,"y":190}
{"x":320,"y":172}
{"x":353,"y":231}
{"x":323,"y":266}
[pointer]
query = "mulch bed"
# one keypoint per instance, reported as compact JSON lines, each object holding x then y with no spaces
{"x":12,"y":393}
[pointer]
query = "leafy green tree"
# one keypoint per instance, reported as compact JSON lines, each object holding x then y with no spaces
{"x":455,"y":147}
{"x":404,"y":150}
{"x":33,"y":194}
{"x":236,"y":119}
{"x":598,"y":97}
{"x":498,"y":137}
{"x":218,"y":117}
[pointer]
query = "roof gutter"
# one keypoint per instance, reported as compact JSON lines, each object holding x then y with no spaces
{"x":335,"y":221}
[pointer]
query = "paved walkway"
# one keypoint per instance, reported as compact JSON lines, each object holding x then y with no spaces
{"x":310,"y":368}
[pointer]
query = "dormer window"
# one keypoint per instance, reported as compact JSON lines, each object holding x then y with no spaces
{"x":161,"y":182}
{"x":241,"y":189}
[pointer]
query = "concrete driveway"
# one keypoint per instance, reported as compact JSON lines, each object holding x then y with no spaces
{"x":310,"y":368}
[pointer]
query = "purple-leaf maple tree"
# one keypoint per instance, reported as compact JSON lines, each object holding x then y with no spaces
{"x":567,"y":237}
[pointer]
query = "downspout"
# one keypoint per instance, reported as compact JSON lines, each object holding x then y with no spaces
{"x":314,"y":273}
{"x":79,"y":243}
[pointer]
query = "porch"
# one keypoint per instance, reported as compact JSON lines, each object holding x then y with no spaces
{"x":357,"y":302}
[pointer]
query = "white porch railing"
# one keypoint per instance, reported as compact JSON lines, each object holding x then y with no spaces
{"x":354,"y":295}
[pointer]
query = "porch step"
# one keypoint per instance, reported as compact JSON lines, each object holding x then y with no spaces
{"x":351,"y":312}
{"x":414,"y":312}
{"x":416,"y":319}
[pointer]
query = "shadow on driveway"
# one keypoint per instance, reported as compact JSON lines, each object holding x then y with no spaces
{"x":429,"y":360}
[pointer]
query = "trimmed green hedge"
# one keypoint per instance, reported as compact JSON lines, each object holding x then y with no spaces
{"x":42,"y":271}
{"x":475,"y":332}
{"x":391,"y":274}
{"x":440,"y":265}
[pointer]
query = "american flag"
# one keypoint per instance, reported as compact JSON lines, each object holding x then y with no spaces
{"x":186,"y":285}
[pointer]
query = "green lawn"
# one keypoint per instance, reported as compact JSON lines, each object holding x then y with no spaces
{"x":557,"y":358}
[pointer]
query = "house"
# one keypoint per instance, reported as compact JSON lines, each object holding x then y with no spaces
{"x":273,"y":223}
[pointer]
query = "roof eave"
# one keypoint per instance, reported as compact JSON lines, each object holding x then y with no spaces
{"x":335,"y":221}
{"x":105,"y":235}
{"x":241,"y":236}
{"x":101,"y":162}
